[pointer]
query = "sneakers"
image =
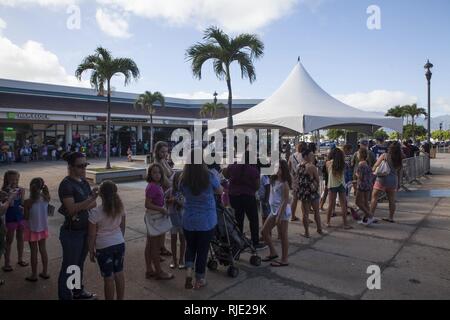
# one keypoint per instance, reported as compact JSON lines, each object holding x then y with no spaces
{"x":367,"y":222}
{"x":260,"y":246}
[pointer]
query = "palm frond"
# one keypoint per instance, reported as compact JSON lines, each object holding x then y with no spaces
{"x":248,"y":42}
{"x":246,"y":65}
{"x":216,"y":35}
{"x":199,"y":53}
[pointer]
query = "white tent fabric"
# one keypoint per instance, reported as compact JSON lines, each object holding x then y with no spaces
{"x":302,"y":106}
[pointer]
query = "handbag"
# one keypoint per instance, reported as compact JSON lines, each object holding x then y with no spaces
{"x":383,"y":169}
{"x":157,"y":223}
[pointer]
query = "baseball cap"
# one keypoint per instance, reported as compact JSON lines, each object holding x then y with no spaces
{"x":364,"y":142}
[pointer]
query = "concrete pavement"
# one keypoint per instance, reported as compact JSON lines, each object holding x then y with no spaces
{"x":413,"y":254}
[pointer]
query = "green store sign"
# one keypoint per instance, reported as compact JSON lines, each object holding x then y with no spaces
{"x":11,"y":115}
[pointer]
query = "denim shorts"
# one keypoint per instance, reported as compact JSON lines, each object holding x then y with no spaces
{"x":110,"y":259}
{"x":339,"y":189}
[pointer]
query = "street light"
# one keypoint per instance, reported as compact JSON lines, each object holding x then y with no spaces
{"x":428,"y":66}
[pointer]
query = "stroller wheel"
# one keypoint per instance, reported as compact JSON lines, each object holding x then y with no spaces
{"x":212,"y":265}
{"x":255,"y":261}
{"x":233,"y":272}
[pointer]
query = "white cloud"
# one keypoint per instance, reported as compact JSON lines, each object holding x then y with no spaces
{"x":42,"y":3}
{"x":377,"y":100}
{"x":3,"y":25}
{"x":32,"y":62}
{"x":112,"y":23}
{"x":232,"y":15}
{"x":199,"y":95}
{"x":441,"y":106}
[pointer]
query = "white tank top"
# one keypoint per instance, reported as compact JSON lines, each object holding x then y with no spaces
{"x":276,"y":197}
{"x":38,"y":220}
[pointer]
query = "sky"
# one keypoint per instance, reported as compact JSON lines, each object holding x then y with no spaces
{"x":372,"y":69}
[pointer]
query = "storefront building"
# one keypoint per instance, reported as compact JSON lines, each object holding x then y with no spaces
{"x":57,"y":116}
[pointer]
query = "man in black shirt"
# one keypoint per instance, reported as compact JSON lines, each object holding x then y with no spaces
{"x":77,"y":199}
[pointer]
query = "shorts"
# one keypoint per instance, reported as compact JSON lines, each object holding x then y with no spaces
{"x":381,"y":187}
{"x":16,"y":225}
{"x":286,"y":216}
{"x":110,"y":260}
{"x":340,"y":189}
{"x":265,"y":209}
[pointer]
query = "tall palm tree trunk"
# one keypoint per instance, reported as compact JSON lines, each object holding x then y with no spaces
{"x":108,"y":129}
{"x":230,"y":100}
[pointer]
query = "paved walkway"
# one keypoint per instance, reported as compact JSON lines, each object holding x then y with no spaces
{"x":413,"y":254}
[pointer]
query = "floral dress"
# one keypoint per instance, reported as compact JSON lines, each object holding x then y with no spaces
{"x":307,"y":190}
{"x":365,"y":178}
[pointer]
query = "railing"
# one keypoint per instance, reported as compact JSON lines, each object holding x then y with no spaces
{"x":414,"y":169}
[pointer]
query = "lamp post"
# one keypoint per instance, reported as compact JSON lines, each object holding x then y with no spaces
{"x":428,"y":66}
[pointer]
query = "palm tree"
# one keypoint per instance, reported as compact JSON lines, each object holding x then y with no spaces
{"x":210,"y":109}
{"x":223,"y":51}
{"x":415,"y":112}
{"x":103,"y":67}
{"x":396,"y":112}
{"x":146,"y":102}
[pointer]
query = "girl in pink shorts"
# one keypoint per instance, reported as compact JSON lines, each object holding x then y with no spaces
{"x":36,"y":226}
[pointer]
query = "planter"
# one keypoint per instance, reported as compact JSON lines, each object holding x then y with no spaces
{"x":98,"y":175}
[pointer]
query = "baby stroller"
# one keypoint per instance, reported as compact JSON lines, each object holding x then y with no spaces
{"x":229,"y":242}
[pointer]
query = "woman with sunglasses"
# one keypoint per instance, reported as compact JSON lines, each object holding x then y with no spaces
{"x":77,"y":198}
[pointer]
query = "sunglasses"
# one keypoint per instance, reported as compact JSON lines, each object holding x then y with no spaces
{"x":82,"y":166}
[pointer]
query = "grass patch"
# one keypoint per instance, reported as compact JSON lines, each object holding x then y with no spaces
{"x":108,"y":170}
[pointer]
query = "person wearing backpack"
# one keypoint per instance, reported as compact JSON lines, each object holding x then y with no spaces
{"x":387,"y":169}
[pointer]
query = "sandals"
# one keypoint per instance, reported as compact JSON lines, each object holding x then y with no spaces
{"x":270,"y":258}
{"x":22,"y":263}
{"x":295,"y":219}
{"x":44,"y":276}
{"x":181,"y":267}
{"x":7,"y":268}
{"x":200,"y":284}
{"x":305,"y":235}
{"x":278,"y":264}
{"x":389,"y":220}
{"x":173,"y":266}
{"x":30,"y":279}
{"x":165,"y":276}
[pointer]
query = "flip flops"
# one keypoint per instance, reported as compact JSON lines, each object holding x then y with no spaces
{"x":278,"y":264}
{"x":7,"y":269}
{"x":269,"y":258}
{"x":22,"y":263}
{"x":30,"y":279}
{"x":44,"y":276}
{"x":389,"y":220}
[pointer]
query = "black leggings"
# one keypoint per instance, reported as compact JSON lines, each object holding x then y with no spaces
{"x":246,"y":205}
{"x":197,"y":248}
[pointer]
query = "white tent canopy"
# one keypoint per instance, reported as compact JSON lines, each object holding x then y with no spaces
{"x":300,"y":105}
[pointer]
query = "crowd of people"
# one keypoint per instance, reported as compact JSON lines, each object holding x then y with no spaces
{"x":184,"y":203}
